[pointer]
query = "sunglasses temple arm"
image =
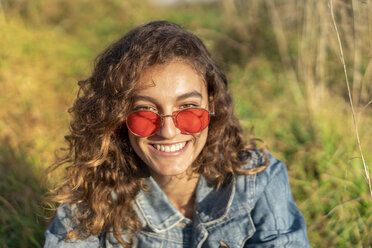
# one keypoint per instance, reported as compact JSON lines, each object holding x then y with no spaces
{"x":212,"y":112}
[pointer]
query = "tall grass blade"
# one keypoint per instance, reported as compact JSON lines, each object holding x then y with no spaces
{"x":342,"y":59}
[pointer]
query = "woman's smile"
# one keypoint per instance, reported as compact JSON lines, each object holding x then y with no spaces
{"x":170,"y":148}
{"x":169,"y":151}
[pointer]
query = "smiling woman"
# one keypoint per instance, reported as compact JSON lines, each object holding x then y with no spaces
{"x":157,"y":158}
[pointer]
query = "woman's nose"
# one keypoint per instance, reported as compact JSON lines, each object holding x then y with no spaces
{"x":168,"y":128}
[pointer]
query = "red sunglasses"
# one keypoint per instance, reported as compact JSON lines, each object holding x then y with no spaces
{"x":146,"y":123}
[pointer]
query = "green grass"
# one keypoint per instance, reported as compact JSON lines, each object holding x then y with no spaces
{"x":295,"y":97}
{"x":22,"y":220}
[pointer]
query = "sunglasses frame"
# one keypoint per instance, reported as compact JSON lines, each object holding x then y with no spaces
{"x":174,"y":118}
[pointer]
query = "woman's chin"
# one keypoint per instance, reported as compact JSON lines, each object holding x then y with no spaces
{"x":168,"y":170}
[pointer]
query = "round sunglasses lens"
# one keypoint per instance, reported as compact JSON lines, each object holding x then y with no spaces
{"x":192,"y":120}
{"x":143,"y":123}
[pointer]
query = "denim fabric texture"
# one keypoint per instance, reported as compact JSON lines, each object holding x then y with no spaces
{"x":253,"y":211}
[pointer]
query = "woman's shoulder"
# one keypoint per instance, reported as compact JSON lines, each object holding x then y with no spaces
{"x":61,"y":225}
{"x":265,"y":168}
{"x":273,"y":210}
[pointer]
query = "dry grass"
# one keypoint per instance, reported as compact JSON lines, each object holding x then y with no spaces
{"x":356,"y":82}
{"x":298,"y":101}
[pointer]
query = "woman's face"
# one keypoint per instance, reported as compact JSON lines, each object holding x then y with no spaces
{"x":164,"y":89}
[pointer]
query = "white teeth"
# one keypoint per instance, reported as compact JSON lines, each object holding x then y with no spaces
{"x":170,"y":148}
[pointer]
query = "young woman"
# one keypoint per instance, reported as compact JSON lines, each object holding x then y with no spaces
{"x":157,"y":157}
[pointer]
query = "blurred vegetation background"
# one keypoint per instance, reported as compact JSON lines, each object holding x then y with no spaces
{"x":282,"y":59}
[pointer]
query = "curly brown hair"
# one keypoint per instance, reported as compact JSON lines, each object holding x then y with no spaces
{"x":101,"y":161}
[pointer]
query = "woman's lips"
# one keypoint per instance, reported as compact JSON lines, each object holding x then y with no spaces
{"x":170,"y":148}
{"x":174,"y":149}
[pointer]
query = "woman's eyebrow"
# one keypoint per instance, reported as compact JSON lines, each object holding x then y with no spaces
{"x":190,"y":94}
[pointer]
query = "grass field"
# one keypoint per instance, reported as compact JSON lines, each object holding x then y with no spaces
{"x":282,"y":59}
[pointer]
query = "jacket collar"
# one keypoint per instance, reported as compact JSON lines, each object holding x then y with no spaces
{"x":155,"y":209}
{"x":158,"y":213}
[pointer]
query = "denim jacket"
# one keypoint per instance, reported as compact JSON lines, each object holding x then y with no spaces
{"x":252,"y":211}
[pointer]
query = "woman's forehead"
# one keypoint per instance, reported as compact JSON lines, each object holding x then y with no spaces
{"x":173,"y":79}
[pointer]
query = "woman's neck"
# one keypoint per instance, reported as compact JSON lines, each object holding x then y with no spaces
{"x":180,"y":190}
